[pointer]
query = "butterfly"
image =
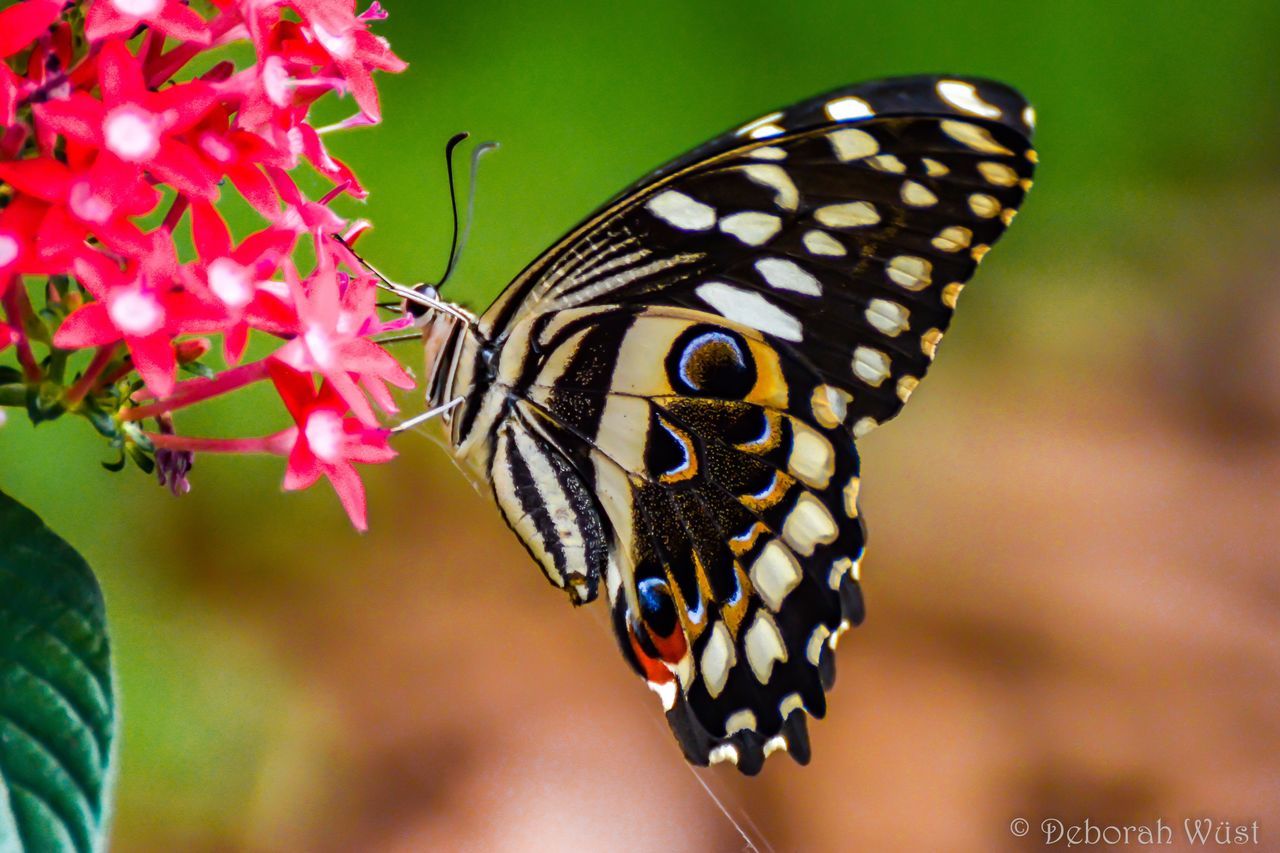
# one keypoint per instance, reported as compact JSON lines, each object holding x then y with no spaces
{"x":666,"y":403}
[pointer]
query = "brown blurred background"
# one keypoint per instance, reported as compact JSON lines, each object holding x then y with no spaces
{"x":1072,"y":578}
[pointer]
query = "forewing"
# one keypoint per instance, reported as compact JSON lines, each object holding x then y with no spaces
{"x":843,"y":228}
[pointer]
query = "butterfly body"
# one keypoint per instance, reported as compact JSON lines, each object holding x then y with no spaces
{"x":666,"y":402}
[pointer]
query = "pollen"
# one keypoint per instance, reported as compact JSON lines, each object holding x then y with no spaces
{"x":136,"y":313}
{"x":138,"y":8}
{"x":132,"y":134}
{"x":9,"y":249}
{"x":230,"y":282}
{"x":325,"y":434}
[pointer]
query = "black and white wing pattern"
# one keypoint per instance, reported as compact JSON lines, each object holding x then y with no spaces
{"x":667,"y":400}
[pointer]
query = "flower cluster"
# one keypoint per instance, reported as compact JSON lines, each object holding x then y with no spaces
{"x":110,"y":148}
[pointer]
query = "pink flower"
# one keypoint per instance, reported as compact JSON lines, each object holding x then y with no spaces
{"x":330,"y":340}
{"x":138,"y":126}
{"x":95,"y":137}
{"x":240,"y":155}
{"x":109,"y":18}
{"x":99,"y":199}
{"x":330,"y":37}
{"x":237,"y":280}
{"x":131,"y":306}
{"x":326,"y":443}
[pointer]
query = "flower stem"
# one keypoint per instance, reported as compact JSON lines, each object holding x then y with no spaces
{"x":86,"y":383}
{"x":16,"y":309}
{"x":196,"y":390}
{"x":277,"y":444}
{"x":180,"y":205}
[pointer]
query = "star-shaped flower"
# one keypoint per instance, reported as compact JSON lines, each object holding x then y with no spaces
{"x":333,"y":322}
{"x":326,"y":442}
{"x":139,"y":127}
{"x":237,"y":280}
{"x":137,"y":308}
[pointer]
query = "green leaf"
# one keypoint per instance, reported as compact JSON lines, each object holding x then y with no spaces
{"x":57,"y":702}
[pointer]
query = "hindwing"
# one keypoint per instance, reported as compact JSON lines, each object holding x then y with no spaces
{"x":669,"y":397}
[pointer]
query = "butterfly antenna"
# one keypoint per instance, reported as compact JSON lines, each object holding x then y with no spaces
{"x":457,"y":247}
{"x":449,"y":147}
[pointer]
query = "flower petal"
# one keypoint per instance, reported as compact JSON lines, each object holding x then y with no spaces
{"x":88,"y":326}
{"x":120,"y":72}
{"x":155,"y":362}
{"x":42,"y":177}
{"x":179,"y":165}
{"x":23,"y":23}
{"x":209,"y":232}
{"x":346,"y":482}
{"x":182,"y":23}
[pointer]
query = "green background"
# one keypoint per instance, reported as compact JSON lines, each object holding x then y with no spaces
{"x":1072,"y":576}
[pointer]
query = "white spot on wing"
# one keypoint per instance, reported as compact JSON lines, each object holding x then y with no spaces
{"x":853,"y":214}
{"x":818,"y":639}
{"x":748,"y":128}
{"x":812,"y":459}
{"x":788,"y":275}
{"x":766,"y":131}
{"x":666,"y":691}
{"x":887,"y":163}
{"x":774,"y":574}
{"x":764,"y":646}
{"x":850,"y":494}
{"x":773,"y":744}
{"x":750,"y":309}
{"x":681,"y":211}
{"x":871,"y":366}
{"x":906,"y":386}
{"x":887,"y":316}
{"x":822,"y":243}
{"x":839,"y":568}
{"x":777,"y":179}
{"x":724,"y":752}
{"x":768,"y":152}
{"x":984,"y":205}
{"x":972,"y":136}
{"x":830,"y":405}
{"x":953,"y":238}
{"x":848,"y":108}
{"x":717,"y":659}
{"x":964,"y":97}
{"x":850,"y":143}
{"x":744,"y":719}
{"x":998,"y":174}
{"x":751,"y":227}
{"x":910,"y":272}
{"x":808,"y":525}
{"x":917,"y":195}
{"x":792,"y":702}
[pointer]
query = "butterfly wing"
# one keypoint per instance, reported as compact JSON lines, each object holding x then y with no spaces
{"x":689,"y":368}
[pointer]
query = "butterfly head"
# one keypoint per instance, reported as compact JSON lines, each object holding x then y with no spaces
{"x":442,"y":334}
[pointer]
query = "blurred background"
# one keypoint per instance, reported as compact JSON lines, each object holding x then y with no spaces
{"x":1072,"y":581}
